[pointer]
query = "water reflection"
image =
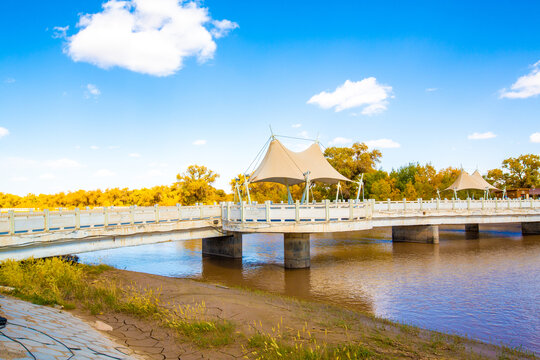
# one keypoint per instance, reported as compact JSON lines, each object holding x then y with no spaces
{"x":488,"y":288}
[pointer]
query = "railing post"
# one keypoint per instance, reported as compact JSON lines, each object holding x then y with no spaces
{"x":404,"y":204}
{"x":267,"y":210}
{"x":242,"y":212}
{"x":11,"y":216}
{"x":351,"y":210}
{"x":532,"y":203}
{"x":508,"y":201}
{"x":468,"y":203}
{"x":483,"y":204}
{"x":297,"y":210}
{"x":419,"y":203}
{"x":156,"y":213}
{"x":105,"y":216}
{"x":496,"y":203}
{"x":228,"y":210}
{"x":201,"y":209}
{"x":389,"y":204}
{"x":520,"y":203}
{"x":77,"y":218}
{"x":46,"y":220}
{"x":438,"y":204}
{"x":132,"y":215}
{"x":327,"y":210}
{"x":453,"y":203}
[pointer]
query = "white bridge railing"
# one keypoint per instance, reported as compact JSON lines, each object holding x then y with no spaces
{"x":30,"y":222}
{"x":352,"y":210}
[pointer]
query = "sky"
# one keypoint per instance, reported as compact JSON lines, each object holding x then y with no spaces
{"x":102,"y":94}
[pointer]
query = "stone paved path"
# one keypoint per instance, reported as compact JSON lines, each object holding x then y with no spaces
{"x":43,"y":333}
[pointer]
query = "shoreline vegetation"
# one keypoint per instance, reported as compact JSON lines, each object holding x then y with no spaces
{"x":196,"y":184}
{"x":196,"y":319}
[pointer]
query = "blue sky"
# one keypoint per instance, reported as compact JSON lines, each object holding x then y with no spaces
{"x":97,"y":106}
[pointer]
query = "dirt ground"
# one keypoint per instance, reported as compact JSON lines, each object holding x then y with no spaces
{"x":328,"y":323}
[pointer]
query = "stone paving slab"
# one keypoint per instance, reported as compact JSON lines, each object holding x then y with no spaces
{"x":43,"y":333}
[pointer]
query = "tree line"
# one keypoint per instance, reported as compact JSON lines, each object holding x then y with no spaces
{"x":196,"y":184}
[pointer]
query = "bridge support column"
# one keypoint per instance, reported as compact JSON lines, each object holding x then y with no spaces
{"x":472,"y":231}
{"x":226,"y":246}
{"x":296,"y":246}
{"x":416,"y":233}
{"x":530,"y":228}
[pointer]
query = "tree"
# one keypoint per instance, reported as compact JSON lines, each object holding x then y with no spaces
{"x":520,"y":172}
{"x":195,"y":185}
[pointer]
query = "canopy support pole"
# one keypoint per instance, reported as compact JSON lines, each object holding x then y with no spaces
{"x":337,"y":190}
{"x":246,"y":184}
{"x":360,"y":188}
{"x":238,"y":192}
{"x":305,"y":196}
{"x":289,"y":196}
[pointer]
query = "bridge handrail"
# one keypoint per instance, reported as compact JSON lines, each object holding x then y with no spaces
{"x":30,"y":222}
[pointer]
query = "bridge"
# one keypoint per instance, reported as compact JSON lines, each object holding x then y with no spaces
{"x":25,"y":234}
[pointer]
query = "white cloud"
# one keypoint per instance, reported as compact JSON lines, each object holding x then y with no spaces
{"x":222,"y":27}
{"x":481,"y":136}
{"x":340,"y":141}
{"x":135,"y":155}
{"x":113,"y":147}
{"x":431,"y":89}
{"x":59,"y":32}
{"x":94,"y":147}
{"x":92,"y":91}
{"x":3,"y":132}
{"x":535,"y":137}
{"x":525,"y":86}
{"x":47,"y":176}
{"x":62,"y":164}
{"x":9,"y":80}
{"x":366,"y":93}
{"x":199,"y":142}
{"x":382,"y":144}
{"x":296,"y":126}
{"x":146,"y":36}
{"x":104,"y":173}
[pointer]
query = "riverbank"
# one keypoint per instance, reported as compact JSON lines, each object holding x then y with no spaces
{"x":162,"y":317}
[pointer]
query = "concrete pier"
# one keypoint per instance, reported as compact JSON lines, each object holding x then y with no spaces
{"x":227,"y":246}
{"x":296,"y":247}
{"x":418,"y":233}
{"x":530,"y":228}
{"x":472,"y":231}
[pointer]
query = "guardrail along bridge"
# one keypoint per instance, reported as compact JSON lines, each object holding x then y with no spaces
{"x":25,"y":234}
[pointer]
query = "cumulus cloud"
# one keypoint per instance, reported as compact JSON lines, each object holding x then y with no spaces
{"x":113,"y":147}
{"x":340,"y":141}
{"x":535,"y":137}
{"x":146,"y":36}
{"x":382,"y":144}
{"x":199,"y":142}
{"x":62,"y":164}
{"x":92,"y":91}
{"x":19,"y":179}
{"x":94,"y":147}
{"x":367,"y":94}
{"x":59,"y":32}
{"x":9,"y":80}
{"x":47,"y":176}
{"x":481,"y":136}
{"x":3,"y":132}
{"x":431,"y":89}
{"x":296,"y":126}
{"x":104,"y":173}
{"x":525,"y":86}
{"x":135,"y":155}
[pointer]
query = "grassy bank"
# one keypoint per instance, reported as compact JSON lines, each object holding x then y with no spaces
{"x":215,"y":320}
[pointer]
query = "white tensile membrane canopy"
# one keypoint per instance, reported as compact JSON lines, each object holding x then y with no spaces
{"x":470,"y":182}
{"x":283,"y":166}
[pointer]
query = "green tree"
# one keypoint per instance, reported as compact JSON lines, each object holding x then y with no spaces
{"x":520,"y":172}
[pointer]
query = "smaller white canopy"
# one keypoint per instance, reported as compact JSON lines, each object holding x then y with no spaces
{"x":470,"y":182}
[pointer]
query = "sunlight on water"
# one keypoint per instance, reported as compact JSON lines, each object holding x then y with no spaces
{"x":488,"y":289}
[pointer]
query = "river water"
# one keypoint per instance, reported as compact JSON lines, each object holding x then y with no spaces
{"x":487,"y":289}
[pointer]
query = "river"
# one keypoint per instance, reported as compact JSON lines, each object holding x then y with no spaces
{"x":487,"y":289}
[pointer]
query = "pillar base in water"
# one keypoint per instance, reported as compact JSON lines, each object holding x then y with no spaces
{"x":472,"y":231}
{"x":226,"y":246}
{"x":530,"y":228}
{"x":296,"y":247}
{"x":417,"y":233}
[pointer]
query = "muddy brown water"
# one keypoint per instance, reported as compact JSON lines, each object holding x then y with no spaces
{"x":487,"y":289}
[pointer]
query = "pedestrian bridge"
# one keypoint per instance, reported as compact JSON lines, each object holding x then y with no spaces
{"x":25,"y":234}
